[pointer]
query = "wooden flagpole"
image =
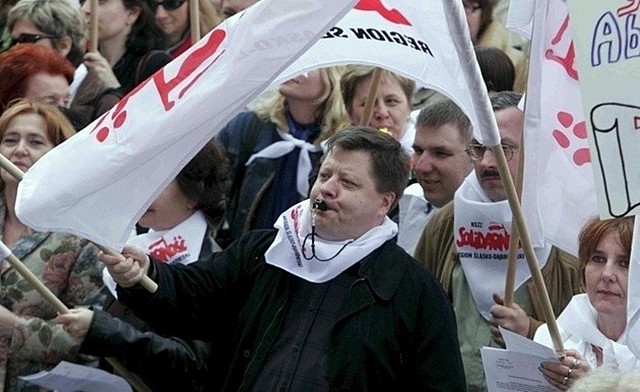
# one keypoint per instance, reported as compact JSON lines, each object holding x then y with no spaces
{"x":194,"y":20}
{"x":371,"y":97}
{"x":44,"y":291}
{"x":93,"y":26}
{"x":536,"y":275}
{"x":510,"y":283}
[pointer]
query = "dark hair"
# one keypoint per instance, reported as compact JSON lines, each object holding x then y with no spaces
{"x":145,"y":35}
{"x":487,"y":15}
{"x":206,"y":180}
{"x":504,"y":99}
{"x":441,"y":111}
{"x":496,"y":67}
{"x":390,"y":163}
{"x":21,"y":62}
{"x":595,"y":229}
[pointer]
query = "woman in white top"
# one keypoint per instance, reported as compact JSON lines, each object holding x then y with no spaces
{"x":593,"y":325}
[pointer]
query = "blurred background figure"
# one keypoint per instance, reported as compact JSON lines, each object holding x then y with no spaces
{"x":593,"y":326}
{"x":393,"y":103}
{"x":190,"y":209}
{"x":276,"y":146}
{"x":130,"y":45}
{"x":172,"y":16}
{"x":36,"y":73}
{"x":66,"y":264}
{"x":56,"y":24}
{"x":485,"y":31}
{"x":496,"y":67}
{"x":231,"y":7}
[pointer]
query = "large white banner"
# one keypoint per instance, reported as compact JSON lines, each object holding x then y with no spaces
{"x":426,"y":41}
{"x":607,"y":37}
{"x":98,"y":183}
{"x":558,"y":192}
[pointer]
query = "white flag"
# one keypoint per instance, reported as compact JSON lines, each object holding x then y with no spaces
{"x":558,"y":191}
{"x":427,"y":41}
{"x":633,"y":293}
{"x":98,"y":183}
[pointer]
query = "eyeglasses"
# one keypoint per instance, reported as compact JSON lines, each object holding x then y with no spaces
{"x":26,"y":38}
{"x":470,"y":8}
{"x":168,"y":5}
{"x":476,"y":151}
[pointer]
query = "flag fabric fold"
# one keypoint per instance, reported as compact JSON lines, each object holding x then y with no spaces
{"x":558,"y":190}
{"x":416,"y":39}
{"x":98,"y":183}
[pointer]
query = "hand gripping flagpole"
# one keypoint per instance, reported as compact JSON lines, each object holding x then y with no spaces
{"x":15,"y":171}
{"x":491,"y":137}
{"x":6,"y":254}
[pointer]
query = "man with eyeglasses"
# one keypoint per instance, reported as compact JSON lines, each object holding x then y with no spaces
{"x":466,"y":246}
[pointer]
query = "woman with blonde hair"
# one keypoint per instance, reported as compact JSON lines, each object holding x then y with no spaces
{"x":67,"y":265}
{"x":392,"y":107}
{"x":276,"y":146}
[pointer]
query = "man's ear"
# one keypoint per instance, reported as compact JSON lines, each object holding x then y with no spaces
{"x":387,"y":201}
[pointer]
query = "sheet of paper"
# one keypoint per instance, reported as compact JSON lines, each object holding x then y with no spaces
{"x":521,"y":344}
{"x":516,"y":368}
{"x":513,"y":371}
{"x":70,"y":377}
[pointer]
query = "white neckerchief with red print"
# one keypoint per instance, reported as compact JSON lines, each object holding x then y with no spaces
{"x":481,"y":233}
{"x":179,"y":245}
{"x":287,"y":251}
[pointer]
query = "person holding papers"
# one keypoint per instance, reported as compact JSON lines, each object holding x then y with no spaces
{"x":66,"y":264}
{"x":182,"y":222}
{"x":326,"y":302}
{"x":393,"y":103}
{"x":466,"y":245}
{"x":276,"y":146}
{"x":593,"y":327}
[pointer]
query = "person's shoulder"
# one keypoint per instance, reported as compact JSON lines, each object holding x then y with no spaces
{"x":442,"y":218}
{"x":564,"y":258}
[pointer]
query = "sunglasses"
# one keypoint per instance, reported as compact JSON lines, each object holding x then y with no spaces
{"x":26,"y":38}
{"x":168,"y":5}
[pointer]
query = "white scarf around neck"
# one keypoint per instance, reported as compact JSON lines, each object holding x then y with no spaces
{"x":179,"y":245}
{"x":481,"y":233}
{"x":287,"y":250}
{"x":285,"y":146}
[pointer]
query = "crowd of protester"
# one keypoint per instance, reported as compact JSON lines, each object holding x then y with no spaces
{"x":299,"y":177}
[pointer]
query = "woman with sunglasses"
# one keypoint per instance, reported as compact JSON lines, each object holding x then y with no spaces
{"x":56,"y":24}
{"x":172,"y":16}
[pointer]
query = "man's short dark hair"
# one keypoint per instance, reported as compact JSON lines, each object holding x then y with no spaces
{"x":390,"y":163}
{"x":442,"y":111}
{"x":504,"y":99}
